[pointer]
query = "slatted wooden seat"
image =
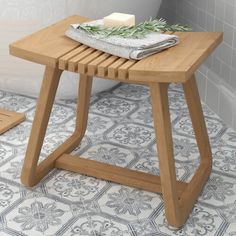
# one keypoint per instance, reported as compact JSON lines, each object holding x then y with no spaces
{"x":58,"y":53}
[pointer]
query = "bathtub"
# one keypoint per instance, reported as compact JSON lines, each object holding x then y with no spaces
{"x":20,"y":18}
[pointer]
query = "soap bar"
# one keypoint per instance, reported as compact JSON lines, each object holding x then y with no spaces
{"x":119,"y":19}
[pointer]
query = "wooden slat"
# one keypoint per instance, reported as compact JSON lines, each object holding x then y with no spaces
{"x":178,"y":63}
{"x":63,"y":61}
{"x":9,"y":119}
{"x":113,"y":173}
{"x":47,"y":45}
{"x":113,"y":68}
{"x":73,"y":62}
{"x":102,"y":68}
{"x":83,"y":64}
{"x":92,"y":66}
{"x":123,"y":70}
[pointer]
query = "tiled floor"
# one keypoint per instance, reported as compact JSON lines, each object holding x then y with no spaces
{"x":120,"y":132}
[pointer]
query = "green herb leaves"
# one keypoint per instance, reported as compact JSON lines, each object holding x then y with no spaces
{"x":138,"y":31}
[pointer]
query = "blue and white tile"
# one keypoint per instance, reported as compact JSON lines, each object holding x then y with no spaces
{"x":41,"y":216}
{"x":98,"y":124}
{"x":17,"y":136}
{"x":132,"y":135}
{"x":125,"y":138}
{"x":219,"y":190}
{"x":113,"y":107}
{"x":12,"y":169}
{"x":110,"y":154}
{"x":9,"y":194}
{"x":60,"y":114}
{"x":97,"y":225}
{"x":129,"y":203}
{"x":133,"y":92}
{"x":202,"y":221}
{"x":74,"y":187}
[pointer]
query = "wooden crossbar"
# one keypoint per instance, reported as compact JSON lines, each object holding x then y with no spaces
{"x":113,"y":173}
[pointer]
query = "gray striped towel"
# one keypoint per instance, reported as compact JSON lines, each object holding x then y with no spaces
{"x":130,"y":48}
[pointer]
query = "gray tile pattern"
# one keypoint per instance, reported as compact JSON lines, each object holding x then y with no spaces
{"x":217,"y":78}
{"x":120,"y":132}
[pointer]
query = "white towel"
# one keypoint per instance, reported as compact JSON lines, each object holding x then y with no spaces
{"x":130,"y":48}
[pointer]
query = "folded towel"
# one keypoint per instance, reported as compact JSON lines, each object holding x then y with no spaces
{"x":130,"y":48}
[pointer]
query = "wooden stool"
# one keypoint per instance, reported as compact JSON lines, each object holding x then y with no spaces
{"x":58,"y":53}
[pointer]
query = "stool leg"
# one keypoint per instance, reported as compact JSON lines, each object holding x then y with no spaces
{"x":71,"y":143}
{"x":42,"y":114}
{"x":190,"y":195}
{"x":162,"y":124}
{"x":178,"y":208}
{"x":32,"y":173}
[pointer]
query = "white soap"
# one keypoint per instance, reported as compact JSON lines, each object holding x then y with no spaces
{"x":119,"y":19}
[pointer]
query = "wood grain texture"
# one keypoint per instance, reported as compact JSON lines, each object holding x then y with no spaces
{"x":113,"y":68}
{"x":9,"y":119}
{"x":162,"y":124}
{"x":189,"y":197}
{"x":93,"y":65}
{"x":103,"y":67}
{"x":123,"y":70}
{"x":83,"y":64}
{"x":63,"y":61}
{"x":175,"y":64}
{"x":47,"y":45}
{"x":41,"y":118}
{"x":73,"y":62}
{"x":32,"y":173}
{"x":178,"y":63}
{"x":72,"y":142}
{"x":116,"y":174}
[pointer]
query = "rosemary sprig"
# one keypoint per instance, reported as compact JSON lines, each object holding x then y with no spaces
{"x":138,"y":31}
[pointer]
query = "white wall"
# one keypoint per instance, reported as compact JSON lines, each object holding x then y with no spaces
{"x":19,"y":18}
{"x":217,"y":77}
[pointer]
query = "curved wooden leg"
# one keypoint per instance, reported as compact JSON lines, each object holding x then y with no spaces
{"x":189,"y":197}
{"x":162,"y":125}
{"x":31,"y":172}
{"x":178,"y":207}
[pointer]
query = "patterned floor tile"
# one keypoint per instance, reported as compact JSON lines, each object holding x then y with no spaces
{"x":112,"y":107}
{"x":97,"y":225}
{"x":109,"y":154}
{"x":134,"y":92}
{"x":120,"y":132}
{"x":97,"y":124}
{"x":60,"y":114}
{"x":74,"y":187}
{"x":224,"y":159}
{"x":202,"y":221}
{"x":151,"y":165}
{"x":129,"y":203}
{"x":214,"y":126}
{"x":41,"y":216}
{"x":219,"y":190}
{"x":131,"y":135}
{"x":85,"y":208}
{"x":16,"y":103}
{"x":9,"y":194}
{"x":7,"y":152}
{"x":12,"y":169}
{"x":17,"y":136}
{"x":144,"y":227}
